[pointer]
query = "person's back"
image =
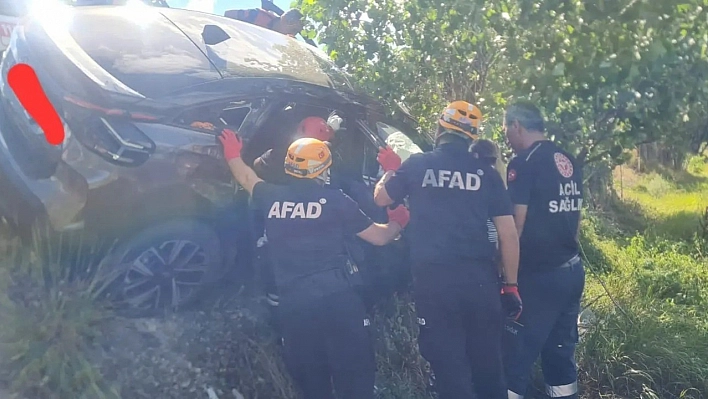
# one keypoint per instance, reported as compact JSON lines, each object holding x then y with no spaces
{"x":451,"y":180}
{"x":305,"y":227}
{"x":451,"y":196}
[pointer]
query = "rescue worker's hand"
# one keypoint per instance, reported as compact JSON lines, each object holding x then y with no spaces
{"x":511,"y":302}
{"x":389,"y":160}
{"x":399,"y":215}
{"x":232,"y":144}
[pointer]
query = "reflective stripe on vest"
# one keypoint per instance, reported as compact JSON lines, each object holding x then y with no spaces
{"x":513,"y":395}
{"x":561,"y":391}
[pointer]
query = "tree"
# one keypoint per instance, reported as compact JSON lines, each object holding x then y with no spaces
{"x":608,"y":75}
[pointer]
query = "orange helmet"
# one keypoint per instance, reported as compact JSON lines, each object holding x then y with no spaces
{"x":308,"y":158}
{"x":462,"y":118}
{"x":316,"y":128}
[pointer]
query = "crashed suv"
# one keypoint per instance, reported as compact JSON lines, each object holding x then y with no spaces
{"x":142,"y":93}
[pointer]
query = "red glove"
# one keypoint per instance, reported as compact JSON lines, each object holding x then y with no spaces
{"x":511,"y":302}
{"x":232,"y":144}
{"x":399,"y":215}
{"x":389,"y":160}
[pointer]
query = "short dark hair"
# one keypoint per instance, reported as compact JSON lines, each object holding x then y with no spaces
{"x":485,"y":150}
{"x":527,"y":114}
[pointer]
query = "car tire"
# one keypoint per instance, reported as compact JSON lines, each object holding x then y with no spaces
{"x":163,"y":266}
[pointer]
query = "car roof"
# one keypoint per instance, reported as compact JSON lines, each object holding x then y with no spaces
{"x":155,"y":51}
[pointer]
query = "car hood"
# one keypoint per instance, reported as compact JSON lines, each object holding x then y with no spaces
{"x":151,"y":52}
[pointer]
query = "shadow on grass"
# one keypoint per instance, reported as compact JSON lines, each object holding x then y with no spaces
{"x":682,"y":179}
{"x":678,"y":226}
{"x":632,"y":218}
{"x":629,"y":214}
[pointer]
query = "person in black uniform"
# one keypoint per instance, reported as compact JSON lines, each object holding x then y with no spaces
{"x":269,"y":167}
{"x":324,"y":324}
{"x":546,"y":186}
{"x":451,"y":195}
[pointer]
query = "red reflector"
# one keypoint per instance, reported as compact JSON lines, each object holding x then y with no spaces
{"x":109,"y":111}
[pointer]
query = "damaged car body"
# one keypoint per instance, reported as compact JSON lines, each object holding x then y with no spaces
{"x":142,"y":93}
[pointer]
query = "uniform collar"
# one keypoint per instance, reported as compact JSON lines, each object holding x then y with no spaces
{"x":305,"y":183}
{"x":532,"y":148}
{"x":452,"y":147}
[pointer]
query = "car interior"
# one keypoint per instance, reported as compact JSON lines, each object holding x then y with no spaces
{"x":278,"y":131}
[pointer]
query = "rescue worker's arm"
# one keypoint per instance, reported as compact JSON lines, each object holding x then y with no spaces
{"x":508,"y":247}
{"x":501,"y":212}
{"x":381,"y":196}
{"x":391,"y":163}
{"x":382,"y":234}
{"x":245,"y":176}
{"x":520,"y":182}
{"x":357,"y":223}
{"x":520,"y":217}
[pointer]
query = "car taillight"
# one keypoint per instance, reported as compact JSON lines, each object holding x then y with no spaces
{"x":117,"y":140}
{"x":110,"y":132}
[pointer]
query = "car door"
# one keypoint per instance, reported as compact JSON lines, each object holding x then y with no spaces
{"x":390,"y":264}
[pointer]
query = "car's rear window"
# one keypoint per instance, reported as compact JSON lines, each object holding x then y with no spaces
{"x":141,"y":48}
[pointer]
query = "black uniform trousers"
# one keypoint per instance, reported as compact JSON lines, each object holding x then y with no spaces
{"x":460,"y":324}
{"x":328,"y":342}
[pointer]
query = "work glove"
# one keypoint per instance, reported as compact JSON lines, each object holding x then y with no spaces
{"x":511,"y":302}
{"x":388,"y":159}
{"x":232,"y":144}
{"x":335,"y":122}
{"x":399,"y":215}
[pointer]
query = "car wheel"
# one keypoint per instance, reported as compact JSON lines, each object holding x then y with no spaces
{"x":163,"y":266}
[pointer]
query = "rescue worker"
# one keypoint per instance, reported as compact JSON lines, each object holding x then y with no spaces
{"x":325,"y":330}
{"x":269,"y":167}
{"x":451,"y":195}
{"x":546,"y":186}
{"x":290,"y":23}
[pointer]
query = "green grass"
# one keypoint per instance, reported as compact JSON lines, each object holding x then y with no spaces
{"x":670,"y":201}
{"x":651,"y":338}
{"x":49,"y":327}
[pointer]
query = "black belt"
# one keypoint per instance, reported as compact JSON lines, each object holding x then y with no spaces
{"x":570,"y":263}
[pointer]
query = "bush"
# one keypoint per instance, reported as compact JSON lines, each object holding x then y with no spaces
{"x":656,"y":185}
{"x":697,"y":164}
{"x":49,"y":326}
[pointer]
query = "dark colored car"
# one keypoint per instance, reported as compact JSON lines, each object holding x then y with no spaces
{"x":129,"y":84}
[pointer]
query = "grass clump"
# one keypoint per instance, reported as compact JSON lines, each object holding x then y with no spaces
{"x":50,"y":323}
